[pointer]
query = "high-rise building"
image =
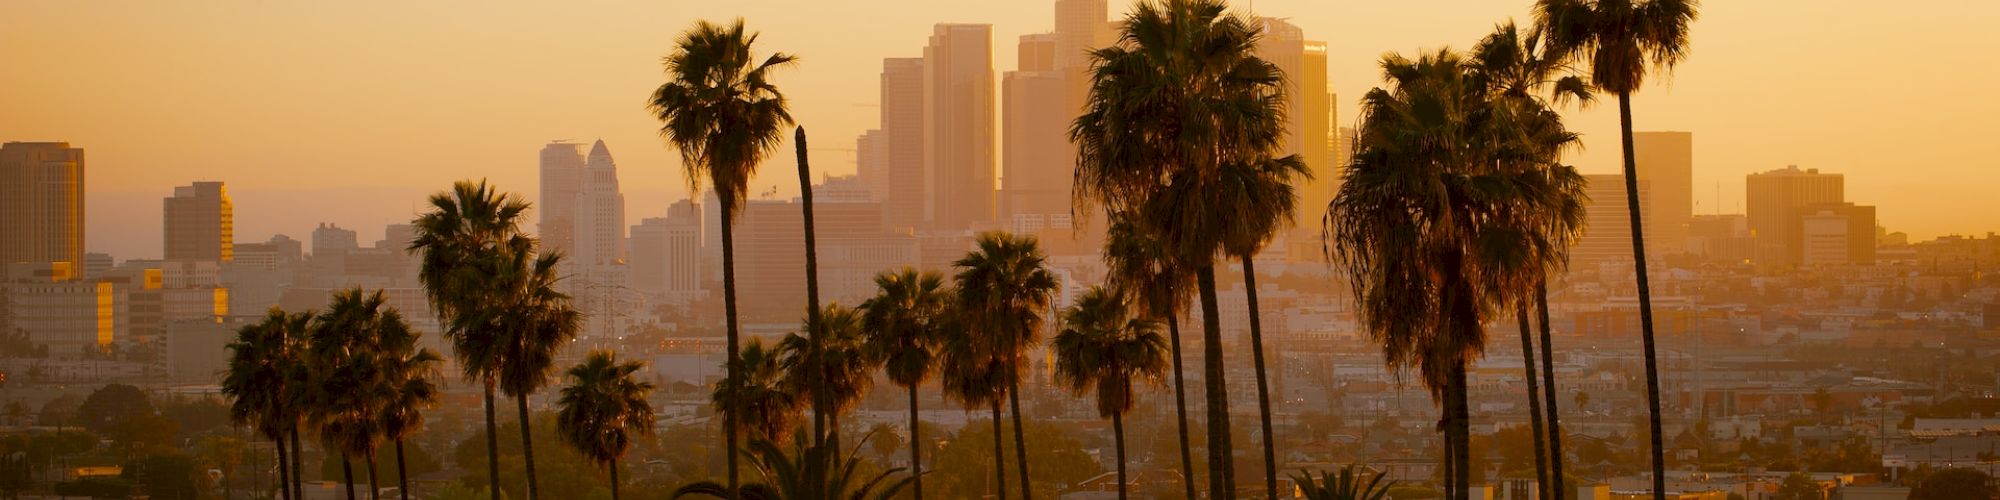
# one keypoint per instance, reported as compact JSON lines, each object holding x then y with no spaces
{"x":1772,"y":202}
{"x":599,"y":213}
{"x":903,"y":114}
{"x":1081,"y":27}
{"x":666,"y":254}
{"x":871,"y":162}
{"x":330,"y":238}
{"x":1836,"y":234}
{"x":1308,"y":114}
{"x":41,"y":203}
{"x":199,"y":223}
{"x":958,"y":126}
{"x":1665,"y":160}
{"x":1036,"y":168}
{"x":770,"y":255}
{"x":562,"y":180}
{"x":1607,"y":231}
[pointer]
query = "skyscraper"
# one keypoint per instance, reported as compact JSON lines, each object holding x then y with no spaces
{"x":562,"y":180}
{"x":1773,"y":201}
{"x":958,"y":126}
{"x":871,"y":162}
{"x":598,"y":216}
{"x":1308,"y":114}
{"x":41,"y":203}
{"x":666,"y":254}
{"x":1036,"y":167}
{"x":199,"y":223}
{"x":903,"y":140}
{"x":1080,"y":28}
{"x":329,"y":238}
{"x":1666,"y":160}
{"x":1607,"y":230}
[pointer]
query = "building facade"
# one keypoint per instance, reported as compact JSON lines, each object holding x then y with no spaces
{"x":199,"y":223}
{"x":41,"y":202}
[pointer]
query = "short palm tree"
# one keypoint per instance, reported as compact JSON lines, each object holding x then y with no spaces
{"x":466,"y":228}
{"x":1178,"y":102}
{"x":1005,"y":293}
{"x":411,"y":373}
{"x":1102,"y":346}
{"x":534,"y":323}
{"x":812,"y":472}
{"x":970,"y":372}
{"x":1140,"y":270}
{"x":603,"y":408}
{"x":769,"y":407}
{"x":260,"y":359}
{"x":1349,"y":484}
{"x":836,"y":365}
{"x":902,"y":323}
{"x":1622,"y":40}
{"x":1439,"y":224}
{"x":344,"y":353}
{"x":720,"y":109}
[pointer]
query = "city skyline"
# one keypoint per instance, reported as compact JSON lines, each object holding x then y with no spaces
{"x":1757,"y":104}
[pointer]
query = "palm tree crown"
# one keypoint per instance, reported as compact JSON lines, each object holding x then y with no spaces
{"x":720,"y":109}
{"x":603,"y":408}
{"x":1621,"y":39}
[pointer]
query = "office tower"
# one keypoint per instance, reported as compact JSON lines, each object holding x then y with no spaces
{"x":903,"y":138}
{"x":562,"y":180}
{"x":599,"y":213}
{"x":1308,"y":114}
{"x":666,"y":254}
{"x":958,"y":126}
{"x":1036,"y":52}
{"x":1836,"y":234}
{"x":770,"y":256}
{"x":199,"y":223}
{"x":1607,"y":231}
{"x":1666,"y":161}
{"x":1038,"y":161}
{"x":1081,"y":27}
{"x":1720,"y":237}
{"x":871,"y":162}
{"x":41,"y":202}
{"x":1772,"y":202}
{"x":331,"y":238}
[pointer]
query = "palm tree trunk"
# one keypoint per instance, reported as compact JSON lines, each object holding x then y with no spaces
{"x":833,"y":433}
{"x":347,"y":474}
{"x":1221,"y":474}
{"x":916,"y":447}
{"x":1450,"y":460}
{"x":1461,"y":425}
{"x":1534,"y":403}
{"x":1645,"y":295}
{"x":298,"y":467}
{"x":492,"y":444}
{"x":1020,"y":440}
{"x":1263,"y":386}
{"x":1180,"y":404}
{"x":374,"y":486}
{"x":402,"y":473}
{"x":732,"y":363}
{"x":819,"y":397}
{"x":1118,"y":433}
{"x":527,"y":446}
{"x":999,"y":455}
{"x":613,"y":466}
{"x":284,"y":471}
{"x":1559,"y":482}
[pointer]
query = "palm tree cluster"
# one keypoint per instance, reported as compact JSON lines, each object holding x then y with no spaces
{"x":353,"y":375}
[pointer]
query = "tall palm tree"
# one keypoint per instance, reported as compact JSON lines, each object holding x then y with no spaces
{"x":1259,"y":192}
{"x":903,"y":322}
{"x":971,"y":372}
{"x":834,"y":369}
{"x":344,"y":353}
{"x":534,"y":322}
{"x":1103,"y":346}
{"x":1439,"y":223}
{"x":1180,"y":98}
{"x":819,"y":393}
{"x":767,"y":404}
{"x":1622,"y":40}
{"x":1139,"y":269}
{"x":1515,"y":71}
{"x":602,"y":408}
{"x":719,"y":108}
{"x":1005,"y":291}
{"x":466,"y":228}
{"x":411,"y":373}
{"x":260,"y":359}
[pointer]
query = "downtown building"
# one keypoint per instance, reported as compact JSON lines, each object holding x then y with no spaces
{"x":198,"y":223}
{"x":666,"y":255}
{"x":958,"y":126}
{"x":1774,"y":205}
{"x":41,"y":203}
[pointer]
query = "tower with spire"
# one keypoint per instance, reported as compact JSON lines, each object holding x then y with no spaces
{"x":599,"y":212}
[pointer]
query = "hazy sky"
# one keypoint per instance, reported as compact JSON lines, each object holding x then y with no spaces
{"x":349,"y":112}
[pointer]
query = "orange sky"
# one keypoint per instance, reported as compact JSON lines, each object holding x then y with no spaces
{"x":347,"y":112}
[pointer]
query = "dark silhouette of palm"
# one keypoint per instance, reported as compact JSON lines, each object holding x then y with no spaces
{"x":1622,"y":41}
{"x":721,"y":111}
{"x":1005,"y":292}
{"x":603,"y":408}
{"x":1103,"y":347}
{"x":768,"y":405}
{"x":844,"y":372}
{"x":411,"y":373}
{"x":1140,"y":270}
{"x":261,"y":360}
{"x":812,"y":472}
{"x":902,"y":323}
{"x":533,"y":322}
{"x":346,"y":358}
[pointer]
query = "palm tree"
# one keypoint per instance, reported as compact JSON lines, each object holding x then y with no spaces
{"x":1005,"y":291}
{"x":344,"y":353}
{"x":1102,"y":346}
{"x":767,"y":404}
{"x":260,"y":359}
{"x":1515,"y":71}
{"x":1177,"y":102}
{"x":821,"y":396}
{"x":533,"y":322}
{"x":465,"y":228}
{"x":719,"y":108}
{"x":970,"y":372}
{"x":411,"y":373}
{"x":603,"y":408}
{"x":1260,"y":193}
{"x":813,"y":472}
{"x":903,"y":322}
{"x":834,"y":368}
{"x":1139,"y":269}
{"x":1622,"y":40}
{"x":1440,"y":222}
{"x":1348,"y":485}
